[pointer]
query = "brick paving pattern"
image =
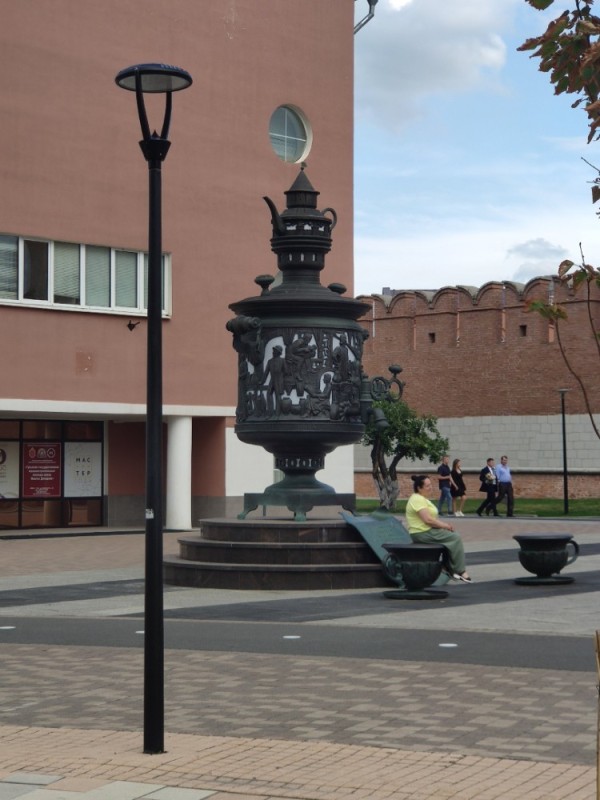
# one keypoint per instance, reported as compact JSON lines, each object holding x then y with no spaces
{"x":269,"y":727}
{"x":465,"y":709}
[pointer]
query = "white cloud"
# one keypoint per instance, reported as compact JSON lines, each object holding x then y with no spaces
{"x":474,"y":254}
{"x":397,"y":4}
{"x":491,"y":186}
{"x":412,"y":51}
{"x":536,"y":250}
{"x":535,"y":257}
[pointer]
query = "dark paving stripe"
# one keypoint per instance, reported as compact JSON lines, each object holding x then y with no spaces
{"x":312,"y":609}
{"x":307,"y":609}
{"x":574,"y":653}
{"x":77,"y":591}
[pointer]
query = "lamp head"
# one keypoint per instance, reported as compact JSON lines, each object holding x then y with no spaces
{"x":154,"y":78}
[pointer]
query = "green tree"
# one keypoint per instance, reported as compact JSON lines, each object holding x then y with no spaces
{"x":408,"y":435}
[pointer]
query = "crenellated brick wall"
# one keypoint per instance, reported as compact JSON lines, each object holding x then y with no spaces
{"x":469,"y":354}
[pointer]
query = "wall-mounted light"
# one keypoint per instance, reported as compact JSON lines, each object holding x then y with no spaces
{"x":369,"y":16}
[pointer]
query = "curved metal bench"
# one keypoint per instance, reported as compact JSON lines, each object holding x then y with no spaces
{"x":413,"y":567}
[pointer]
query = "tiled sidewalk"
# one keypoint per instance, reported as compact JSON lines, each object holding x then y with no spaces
{"x":542,"y":715}
{"x":260,"y":726}
{"x":106,"y":765}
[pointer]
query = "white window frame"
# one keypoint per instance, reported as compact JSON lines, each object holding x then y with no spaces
{"x":138,"y":310}
{"x":287,"y":138}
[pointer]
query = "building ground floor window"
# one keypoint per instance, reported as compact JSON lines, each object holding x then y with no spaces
{"x":51,"y":473}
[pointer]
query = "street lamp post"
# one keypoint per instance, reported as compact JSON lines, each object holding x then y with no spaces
{"x":153,"y":79}
{"x":562,"y":393}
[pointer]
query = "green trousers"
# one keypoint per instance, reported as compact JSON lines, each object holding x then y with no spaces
{"x":450,"y":540}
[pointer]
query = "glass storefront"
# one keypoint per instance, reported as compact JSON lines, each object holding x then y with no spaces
{"x":51,"y":473}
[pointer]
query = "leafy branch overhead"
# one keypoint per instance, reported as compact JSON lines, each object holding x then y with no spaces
{"x":569,"y":50}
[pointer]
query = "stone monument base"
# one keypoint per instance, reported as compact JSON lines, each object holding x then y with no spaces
{"x":266,"y":553}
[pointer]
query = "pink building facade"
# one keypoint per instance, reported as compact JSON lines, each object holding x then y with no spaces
{"x":73,"y":239}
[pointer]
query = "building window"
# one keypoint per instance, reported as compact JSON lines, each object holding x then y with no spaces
{"x":78,"y":275}
{"x":290,"y":134}
{"x":97,"y":276}
{"x":52,"y":473}
{"x":9,"y":267}
{"x":35,"y":270}
{"x":523,"y":330}
{"x":126,"y":279}
{"x":432,"y":338}
{"x":67,"y":273}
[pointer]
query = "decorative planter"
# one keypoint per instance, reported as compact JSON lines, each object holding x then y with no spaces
{"x":544,"y":555}
{"x":415,"y":567}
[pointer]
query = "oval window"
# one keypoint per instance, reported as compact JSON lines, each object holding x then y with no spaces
{"x":290,"y":134}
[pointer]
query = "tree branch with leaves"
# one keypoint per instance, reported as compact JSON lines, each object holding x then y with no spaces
{"x":580,"y":276}
{"x":569,"y":50}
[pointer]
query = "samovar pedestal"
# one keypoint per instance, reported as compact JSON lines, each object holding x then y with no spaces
{"x":275,"y":554}
{"x":300,"y":493}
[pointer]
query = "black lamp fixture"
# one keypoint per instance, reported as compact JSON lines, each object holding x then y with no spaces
{"x":369,"y":16}
{"x":154,"y":79}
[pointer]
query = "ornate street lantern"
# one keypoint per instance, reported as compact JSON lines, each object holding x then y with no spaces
{"x":301,"y":387}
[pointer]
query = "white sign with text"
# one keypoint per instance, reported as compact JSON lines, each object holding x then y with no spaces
{"x":83,"y":469}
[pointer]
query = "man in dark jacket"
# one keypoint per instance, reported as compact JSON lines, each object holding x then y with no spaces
{"x":489,"y":485}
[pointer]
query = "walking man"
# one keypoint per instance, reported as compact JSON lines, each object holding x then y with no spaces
{"x":489,"y":485}
{"x":505,"y":487}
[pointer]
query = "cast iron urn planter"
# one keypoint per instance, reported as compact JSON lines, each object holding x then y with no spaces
{"x":416,"y":567}
{"x":301,"y":385}
{"x":544,"y":555}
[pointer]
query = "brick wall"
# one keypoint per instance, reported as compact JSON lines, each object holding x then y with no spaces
{"x":468,"y":352}
{"x":525,"y":485}
{"x":489,"y":370}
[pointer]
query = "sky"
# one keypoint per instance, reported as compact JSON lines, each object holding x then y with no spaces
{"x":468,"y":168}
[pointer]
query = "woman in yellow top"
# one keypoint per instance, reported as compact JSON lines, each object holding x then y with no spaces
{"x":425,"y":527}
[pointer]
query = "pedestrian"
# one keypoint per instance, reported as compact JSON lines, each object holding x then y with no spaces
{"x":425,"y":527}
{"x":505,"y":487}
{"x":445,"y":483}
{"x":489,"y":485}
{"x":459,"y":490}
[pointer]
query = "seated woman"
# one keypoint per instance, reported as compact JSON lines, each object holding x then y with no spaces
{"x":425,"y":527}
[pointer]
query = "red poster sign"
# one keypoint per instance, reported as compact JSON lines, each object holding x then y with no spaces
{"x":41,"y":469}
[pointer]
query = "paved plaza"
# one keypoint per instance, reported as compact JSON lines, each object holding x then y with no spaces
{"x":490,"y":693}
